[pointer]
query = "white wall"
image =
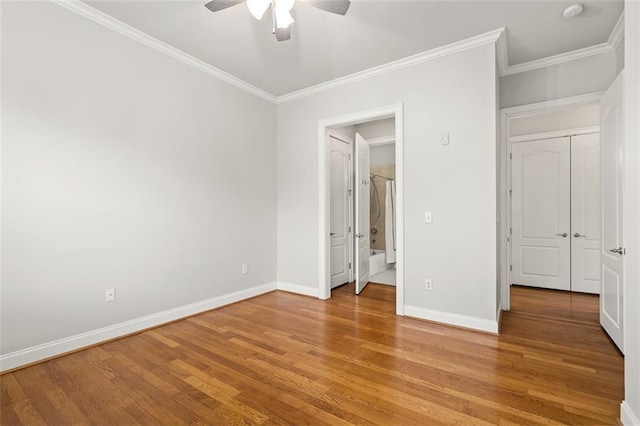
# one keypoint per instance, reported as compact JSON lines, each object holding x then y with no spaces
{"x":455,"y":94}
{"x":620,"y":56}
{"x":379,"y":154}
{"x":382,"y":154}
{"x":631,"y":219}
{"x":377,"y":128}
{"x":586,"y":75}
{"x":348,"y":131}
{"x":124,"y":168}
{"x":572,"y":118}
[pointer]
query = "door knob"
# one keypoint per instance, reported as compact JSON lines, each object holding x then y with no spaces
{"x":578,"y":235}
{"x":563,"y":235}
{"x":332,"y":234}
{"x":619,"y":250}
{"x":359,"y":235}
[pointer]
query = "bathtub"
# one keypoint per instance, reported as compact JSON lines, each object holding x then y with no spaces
{"x":377,"y":261}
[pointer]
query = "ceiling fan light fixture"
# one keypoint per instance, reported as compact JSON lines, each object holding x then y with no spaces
{"x":283,"y":17}
{"x":258,"y":7}
{"x":283,"y":20}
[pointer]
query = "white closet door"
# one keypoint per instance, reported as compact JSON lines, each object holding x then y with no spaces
{"x":541,"y":202}
{"x":585,"y":213}
{"x":340,"y":177}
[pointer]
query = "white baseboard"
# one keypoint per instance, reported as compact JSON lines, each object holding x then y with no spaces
{"x":44,"y":351}
{"x":448,"y":318}
{"x":627,"y":416}
{"x":299,"y":289}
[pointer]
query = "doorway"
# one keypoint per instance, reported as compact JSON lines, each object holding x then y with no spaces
{"x":372,"y":198}
{"x":555,"y":215}
{"x":543,"y":120}
{"x":611,"y":124}
{"x":394,"y":115}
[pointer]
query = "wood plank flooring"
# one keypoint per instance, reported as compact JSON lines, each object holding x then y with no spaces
{"x":286,"y":359}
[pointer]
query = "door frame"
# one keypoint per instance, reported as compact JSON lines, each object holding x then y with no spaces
{"x":324,"y":274}
{"x":337,"y":135}
{"x":504,"y":150}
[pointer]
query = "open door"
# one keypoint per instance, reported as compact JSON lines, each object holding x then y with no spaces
{"x":362,"y":213}
{"x":612,"y":250}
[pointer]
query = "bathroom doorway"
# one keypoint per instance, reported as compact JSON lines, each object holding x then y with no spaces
{"x":379,"y":135}
{"x":381,"y":129}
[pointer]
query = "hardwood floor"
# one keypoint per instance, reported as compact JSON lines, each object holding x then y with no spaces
{"x":286,"y":359}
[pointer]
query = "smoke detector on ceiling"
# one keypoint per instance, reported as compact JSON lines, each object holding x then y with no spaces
{"x":573,"y":10}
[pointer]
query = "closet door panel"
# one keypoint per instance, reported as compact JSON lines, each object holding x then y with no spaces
{"x":541,"y":244}
{"x":585,"y":213}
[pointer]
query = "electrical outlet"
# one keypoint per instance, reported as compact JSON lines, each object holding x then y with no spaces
{"x":110,"y":295}
{"x":428,"y":284}
{"x":245,"y":269}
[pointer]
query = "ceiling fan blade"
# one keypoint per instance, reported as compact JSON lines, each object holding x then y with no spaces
{"x":334,"y":6}
{"x":283,"y":34}
{"x":216,"y":5}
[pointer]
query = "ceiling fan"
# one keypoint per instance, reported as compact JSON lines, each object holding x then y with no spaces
{"x":280,"y":11}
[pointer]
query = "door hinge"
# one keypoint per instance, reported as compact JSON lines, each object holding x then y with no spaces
{"x":349,"y":156}
{"x":511,"y":268}
{"x":349,"y":265}
{"x":349,"y":192}
{"x":349,"y":229}
{"x":510,"y":230}
{"x":510,"y":156}
{"x":510,"y":192}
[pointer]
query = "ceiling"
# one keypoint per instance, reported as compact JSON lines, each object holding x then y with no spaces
{"x":325,"y":46}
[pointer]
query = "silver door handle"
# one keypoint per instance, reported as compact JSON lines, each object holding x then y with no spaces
{"x":619,"y":250}
{"x":332,"y":234}
{"x":578,"y":235}
{"x":359,"y":235}
{"x":563,"y":235}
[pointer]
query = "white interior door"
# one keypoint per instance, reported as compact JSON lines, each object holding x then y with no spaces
{"x":612,"y":253}
{"x":340,"y":209}
{"x":585,"y":213}
{"x":541,"y":203}
{"x":362,"y":213}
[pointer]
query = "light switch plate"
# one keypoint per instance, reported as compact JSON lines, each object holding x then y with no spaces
{"x":444,"y":139}
{"x":427,"y":217}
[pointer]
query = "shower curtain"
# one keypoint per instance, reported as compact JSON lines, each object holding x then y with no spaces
{"x":390,"y":221}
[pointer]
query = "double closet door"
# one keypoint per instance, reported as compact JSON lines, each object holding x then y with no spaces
{"x":556,"y":213}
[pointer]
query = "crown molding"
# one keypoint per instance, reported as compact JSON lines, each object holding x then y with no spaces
{"x":382,"y":140}
{"x":498,"y":36}
{"x":617,"y":34}
{"x":429,"y":55}
{"x":557,"y":59}
{"x":501,"y":53}
{"x":110,"y":22}
{"x":611,"y":45}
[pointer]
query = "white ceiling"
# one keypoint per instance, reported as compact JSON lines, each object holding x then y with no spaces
{"x":325,"y":46}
